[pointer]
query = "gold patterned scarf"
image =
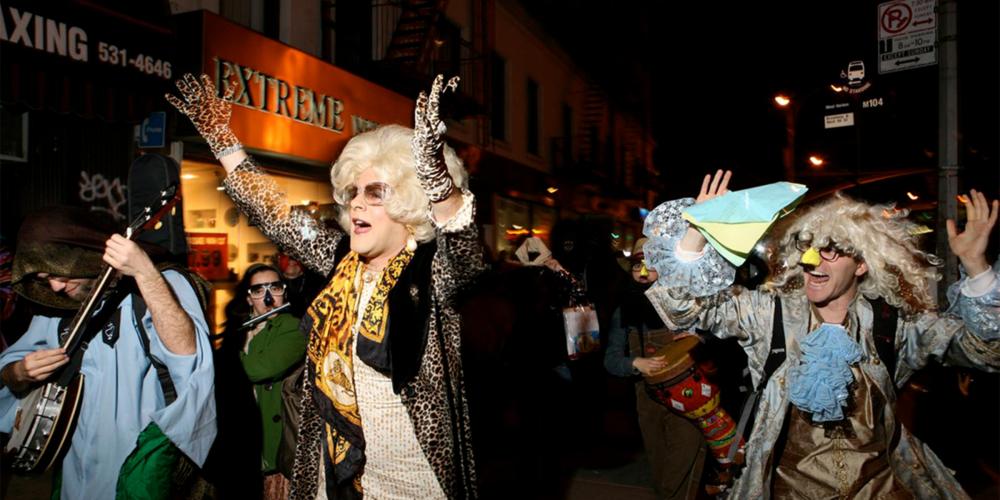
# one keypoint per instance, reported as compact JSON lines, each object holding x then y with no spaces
{"x":332,"y":315}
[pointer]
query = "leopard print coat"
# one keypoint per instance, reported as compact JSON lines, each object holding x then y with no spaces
{"x":435,"y":398}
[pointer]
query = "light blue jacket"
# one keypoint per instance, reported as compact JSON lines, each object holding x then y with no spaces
{"x":122,"y":395}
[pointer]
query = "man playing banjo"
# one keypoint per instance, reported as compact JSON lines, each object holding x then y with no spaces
{"x":128,"y":432}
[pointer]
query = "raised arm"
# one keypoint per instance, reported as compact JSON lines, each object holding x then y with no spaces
{"x":711,"y":187}
{"x":968,"y":333}
{"x":253,"y":192}
{"x":453,"y":210}
{"x":694,"y":288}
{"x":172,"y":323}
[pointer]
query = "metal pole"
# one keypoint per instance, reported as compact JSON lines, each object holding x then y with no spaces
{"x":948,"y":138}
{"x":789,"y":152}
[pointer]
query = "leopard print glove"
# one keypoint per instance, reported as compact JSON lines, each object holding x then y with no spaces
{"x":208,"y":112}
{"x":428,"y":142}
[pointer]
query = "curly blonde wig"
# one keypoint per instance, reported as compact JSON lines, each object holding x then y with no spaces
{"x":880,"y":235}
{"x":387,"y":151}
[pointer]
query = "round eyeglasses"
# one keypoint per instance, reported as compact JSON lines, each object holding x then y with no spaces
{"x":258,"y":291}
{"x":829,"y":253}
{"x":375,"y":193}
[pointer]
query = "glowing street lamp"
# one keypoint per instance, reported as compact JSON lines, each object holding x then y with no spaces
{"x":816,"y":161}
{"x":784,"y":103}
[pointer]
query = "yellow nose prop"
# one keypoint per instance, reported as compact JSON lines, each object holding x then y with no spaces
{"x":811,"y":257}
{"x":643,"y":271}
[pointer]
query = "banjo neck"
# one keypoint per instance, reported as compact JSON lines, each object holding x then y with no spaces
{"x":106,"y":281}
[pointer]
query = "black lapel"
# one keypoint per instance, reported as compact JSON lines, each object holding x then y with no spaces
{"x":409,"y":311}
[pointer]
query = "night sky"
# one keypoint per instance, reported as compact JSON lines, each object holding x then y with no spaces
{"x":715,"y":67}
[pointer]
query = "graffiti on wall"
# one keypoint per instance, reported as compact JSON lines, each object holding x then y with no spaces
{"x":102,"y":194}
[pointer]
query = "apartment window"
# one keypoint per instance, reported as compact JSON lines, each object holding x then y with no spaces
{"x":498,"y":102}
{"x":531,"y":97}
{"x":14,"y":139}
{"x":271,"y":22}
{"x":327,"y":25}
{"x":259,"y":15}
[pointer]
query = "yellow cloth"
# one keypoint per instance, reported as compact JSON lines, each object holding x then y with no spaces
{"x":735,"y":221}
{"x":733,"y":241}
{"x":330,"y":347}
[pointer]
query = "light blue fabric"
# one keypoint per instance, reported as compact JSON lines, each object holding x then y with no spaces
{"x":122,"y":395}
{"x":821,"y":383}
{"x":664,"y":229}
{"x":747,"y":315}
{"x":975,"y":309}
{"x":758,"y":204}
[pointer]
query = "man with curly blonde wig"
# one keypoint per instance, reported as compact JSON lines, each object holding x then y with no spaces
{"x":384,"y":413}
{"x":850,"y":308}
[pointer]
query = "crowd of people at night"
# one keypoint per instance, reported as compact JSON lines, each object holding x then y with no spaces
{"x":392,"y":355}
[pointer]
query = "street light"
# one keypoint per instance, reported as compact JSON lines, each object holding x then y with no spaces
{"x":817,"y":161}
{"x":788,"y":153}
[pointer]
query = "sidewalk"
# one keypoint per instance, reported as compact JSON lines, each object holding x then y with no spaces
{"x":629,"y":481}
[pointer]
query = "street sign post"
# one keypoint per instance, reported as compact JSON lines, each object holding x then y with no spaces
{"x":906,"y":35}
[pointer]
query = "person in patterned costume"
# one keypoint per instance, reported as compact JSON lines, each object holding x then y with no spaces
{"x":384,"y":411}
{"x":851,"y":295}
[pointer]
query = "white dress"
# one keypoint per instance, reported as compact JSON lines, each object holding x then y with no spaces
{"x":395,"y":466}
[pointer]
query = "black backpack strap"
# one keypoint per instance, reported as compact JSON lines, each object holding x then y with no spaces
{"x":139,"y":309}
{"x":884,"y":317}
{"x":108,"y":313}
{"x":775,"y":357}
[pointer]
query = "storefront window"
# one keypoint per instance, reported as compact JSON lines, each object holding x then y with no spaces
{"x":513,"y":222}
{"x":222,"y":242}
{"x":517,"y":219}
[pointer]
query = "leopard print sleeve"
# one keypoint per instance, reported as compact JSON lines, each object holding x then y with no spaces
{"x":459,"y":248}
{"x":296,"y":233}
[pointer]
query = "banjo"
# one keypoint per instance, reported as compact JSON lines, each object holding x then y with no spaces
{"x":46,"y":417}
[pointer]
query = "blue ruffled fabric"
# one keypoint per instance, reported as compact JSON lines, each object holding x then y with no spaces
{"x":821,"y":383}
{"x":979,"y":313}
{"x":664,"y":229}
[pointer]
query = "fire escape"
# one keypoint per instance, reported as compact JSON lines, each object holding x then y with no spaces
{"x":403,"y":44}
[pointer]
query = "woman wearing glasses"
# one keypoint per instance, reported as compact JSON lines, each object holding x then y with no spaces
{"x":384,"y":412}
{"x":257,"y":357}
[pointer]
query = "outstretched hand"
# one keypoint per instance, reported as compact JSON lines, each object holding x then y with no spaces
{"x":428,"y":141}
{"x":209,"y":113}
{"x":970,"y":245}
{"x":712,"y":186}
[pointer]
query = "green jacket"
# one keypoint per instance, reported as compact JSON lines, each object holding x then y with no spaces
{"x":270,"y":357}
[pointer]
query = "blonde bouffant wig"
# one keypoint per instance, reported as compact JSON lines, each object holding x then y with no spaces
{"x":880,"y":235}
{"x":387,"y":150}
